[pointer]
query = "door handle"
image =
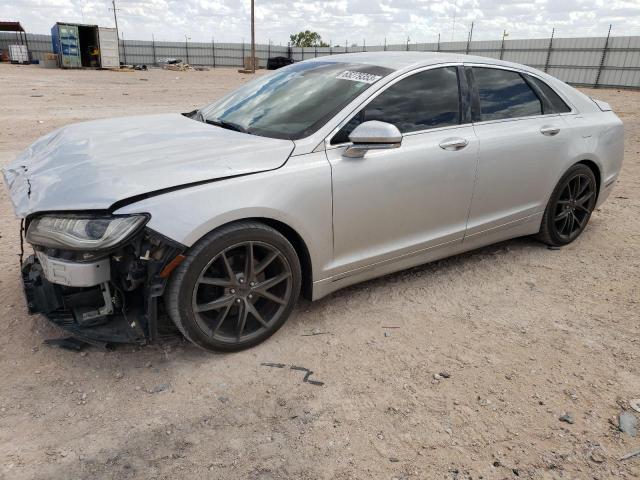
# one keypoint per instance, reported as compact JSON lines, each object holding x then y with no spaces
{"x":549,"y":130}
{"x":454,"y":144}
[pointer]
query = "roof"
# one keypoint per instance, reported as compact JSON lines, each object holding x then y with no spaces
{"x":11,"y":27}
{"x":404,"y":60}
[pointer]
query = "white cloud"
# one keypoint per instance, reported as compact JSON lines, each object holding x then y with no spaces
{"x":338,"y":20}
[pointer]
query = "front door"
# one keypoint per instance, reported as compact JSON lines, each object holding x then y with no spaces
{"x":393,"y":203}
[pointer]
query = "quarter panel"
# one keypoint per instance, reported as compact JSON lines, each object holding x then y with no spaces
{"x":603,"y":134}
{"x":298,"y":194}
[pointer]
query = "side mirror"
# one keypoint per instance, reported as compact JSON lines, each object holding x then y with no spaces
{"x":372,"y":135}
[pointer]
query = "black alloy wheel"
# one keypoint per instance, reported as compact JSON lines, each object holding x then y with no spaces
{"x":236,"y":287}
{"x":570,"y":206}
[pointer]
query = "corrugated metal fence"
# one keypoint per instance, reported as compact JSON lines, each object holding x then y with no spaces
{"x":589,"y":61}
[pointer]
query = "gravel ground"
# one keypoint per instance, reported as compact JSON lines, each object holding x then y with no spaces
{"x":523,"y":333}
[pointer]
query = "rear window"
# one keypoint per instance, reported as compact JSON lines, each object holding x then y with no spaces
{"x":504,"y":94}
{"x":551,"y":101}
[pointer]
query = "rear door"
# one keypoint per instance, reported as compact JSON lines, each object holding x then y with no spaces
{"x":523,"y":139}
{"x":400,"y":201}
{"x":109,"y":53}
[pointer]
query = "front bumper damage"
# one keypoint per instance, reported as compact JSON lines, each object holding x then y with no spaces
{"x":112,"y":299}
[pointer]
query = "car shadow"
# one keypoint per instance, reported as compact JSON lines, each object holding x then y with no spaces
{"x":175,"y":347}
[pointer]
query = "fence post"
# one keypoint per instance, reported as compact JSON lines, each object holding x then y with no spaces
{"x":438,"y":43}
{"x":186,"y":47}
{"x":407,"y":44}
{"x":364,"y":45}
{"x":269,"y":50}
{"x":315,"y":51}
{"x":213,"y":50}
{"x":385,"y":44}
{"x":603,"y":58}
{"x":242,"y":53}
{"x":504,"y":34}
{"x":153,"y":46}
{"x":546,"y":64}
{"x":469,"y":39}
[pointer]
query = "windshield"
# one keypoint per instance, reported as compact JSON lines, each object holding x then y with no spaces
{"x":293,"y":102}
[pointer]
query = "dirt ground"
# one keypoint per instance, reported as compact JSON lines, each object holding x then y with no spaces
{"x":525,"y":334}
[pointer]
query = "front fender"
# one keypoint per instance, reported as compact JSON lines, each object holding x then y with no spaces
{"x":298,"y":195}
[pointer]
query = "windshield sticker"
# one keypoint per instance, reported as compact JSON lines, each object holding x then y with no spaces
{"x":359,"y":76}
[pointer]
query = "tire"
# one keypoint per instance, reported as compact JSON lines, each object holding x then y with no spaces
{"x":222,"y":302}
{"x":568,"y":212}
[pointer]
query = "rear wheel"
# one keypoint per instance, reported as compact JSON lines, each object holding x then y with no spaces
{"x":569,"y":207}
{"x":236,"y":288}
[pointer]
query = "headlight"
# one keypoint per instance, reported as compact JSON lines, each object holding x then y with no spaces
{"x":77,"y":232}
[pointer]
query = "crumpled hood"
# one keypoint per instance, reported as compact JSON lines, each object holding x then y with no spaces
{"x":92,"y":165}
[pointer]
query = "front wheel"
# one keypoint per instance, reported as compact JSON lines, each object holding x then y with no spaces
{"x":569,"y":207}
{"x":236,"y":287}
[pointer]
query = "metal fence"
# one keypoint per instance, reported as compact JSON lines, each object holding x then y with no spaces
{"x":588,"y":61}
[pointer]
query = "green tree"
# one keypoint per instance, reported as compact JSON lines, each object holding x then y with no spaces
{"x":307,"y":39}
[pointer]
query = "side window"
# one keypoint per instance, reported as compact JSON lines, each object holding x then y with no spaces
{"x":551,"y":101}
{"x":428,"y":99}
{"x":504,"y":94}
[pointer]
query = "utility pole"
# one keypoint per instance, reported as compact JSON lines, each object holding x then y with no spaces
{"x":115,"y":16}
{"x":115,"y":20}
{"x":253,"y":39}
{"x":453,"y":26}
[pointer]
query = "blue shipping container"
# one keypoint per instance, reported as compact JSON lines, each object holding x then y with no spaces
{"x":66,"y":43}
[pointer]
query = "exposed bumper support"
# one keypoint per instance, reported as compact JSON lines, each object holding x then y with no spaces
{"x":87,"y":313}
{"x":74,"y":274}
{"x":114,"y":299}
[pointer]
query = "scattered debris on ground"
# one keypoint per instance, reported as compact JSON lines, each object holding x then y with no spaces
{"x":567,"y":418}
{"x":628,"y":423}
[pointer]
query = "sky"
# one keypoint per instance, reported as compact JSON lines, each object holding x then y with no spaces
{"x":339,"y":21}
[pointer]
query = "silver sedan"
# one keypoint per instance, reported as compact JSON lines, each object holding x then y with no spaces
{"x":320,"y":175}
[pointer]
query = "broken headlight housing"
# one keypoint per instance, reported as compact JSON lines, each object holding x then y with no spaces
{"x":83,"y":232}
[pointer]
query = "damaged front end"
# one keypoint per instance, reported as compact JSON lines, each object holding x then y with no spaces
{"x":98,"y":280}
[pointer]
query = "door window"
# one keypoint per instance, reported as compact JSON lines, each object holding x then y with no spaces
{"x":428,"y":99}
{"x":504,"y":94}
